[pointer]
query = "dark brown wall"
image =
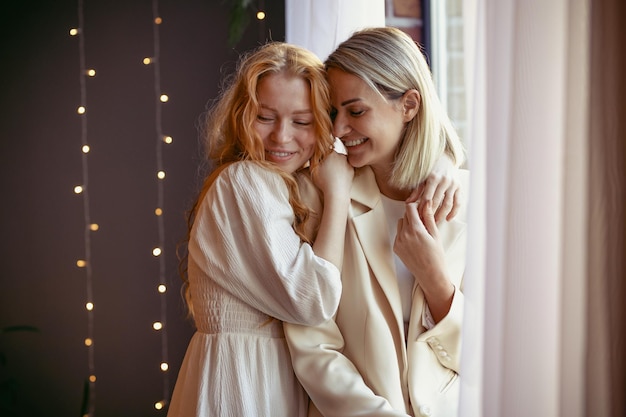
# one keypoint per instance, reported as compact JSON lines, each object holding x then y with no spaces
{"x":41,"y":220}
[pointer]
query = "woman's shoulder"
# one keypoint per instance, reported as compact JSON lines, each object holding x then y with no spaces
{"x":251,"y":175}
{"x":250,"y":170}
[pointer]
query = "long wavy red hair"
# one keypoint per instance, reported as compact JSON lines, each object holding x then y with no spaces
{"x":229,"y":132}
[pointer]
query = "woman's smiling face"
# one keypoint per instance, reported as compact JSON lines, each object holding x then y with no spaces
{"x":285,"y":120}
{"x":369,"y":125}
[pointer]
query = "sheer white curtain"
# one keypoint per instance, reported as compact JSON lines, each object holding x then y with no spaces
{"x":527,"y":78}
{"x":321,"y":25}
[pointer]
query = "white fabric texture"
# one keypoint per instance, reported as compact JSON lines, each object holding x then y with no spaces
{"x":248,"y":272}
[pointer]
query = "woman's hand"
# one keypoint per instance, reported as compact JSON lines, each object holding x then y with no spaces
{"x":417,"y":245}
{"x":442,"y":187}
{"x":334,"y":176}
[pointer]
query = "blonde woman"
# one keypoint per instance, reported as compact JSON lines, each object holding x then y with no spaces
{"x":393,"y":348}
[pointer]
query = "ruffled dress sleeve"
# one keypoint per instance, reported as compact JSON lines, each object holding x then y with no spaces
{"x":243,"y":240}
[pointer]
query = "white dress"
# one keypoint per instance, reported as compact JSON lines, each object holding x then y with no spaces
{"x":249,"y":272}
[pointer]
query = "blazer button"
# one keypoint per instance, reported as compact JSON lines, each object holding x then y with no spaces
{"x":425,"y":411}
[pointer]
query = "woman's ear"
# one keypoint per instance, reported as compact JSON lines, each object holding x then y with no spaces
{"x":411,"y":101}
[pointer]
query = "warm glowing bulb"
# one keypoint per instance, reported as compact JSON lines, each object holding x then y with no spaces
{"x":161,"y":175}
{"x":164,"y":98}
{"x":91,"y":72}
{"x":81,"y":263}
{"x":89,"y":306}
{"x":167,"y":139}
{"x":158,"y":211}
{"x":88,"y":342}
{"x":92,"y":378}
{"x":86,"y":148}
{"x":147,"y":61}
{"x":156,"y":251}
{"x":162,"y":288}
{"x":157,"y":325}
{"x":159,"y":405}
{"x":81,"y":110}
{"x":73,"y":32}
{"x":158,"y":20}
{"x":260,"y":15}
{"x":164,"y":366}
{"x":78,"y":189}
{"x":94,"y":227}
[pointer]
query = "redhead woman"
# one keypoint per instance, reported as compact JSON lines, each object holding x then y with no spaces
{"x":252,"y":263}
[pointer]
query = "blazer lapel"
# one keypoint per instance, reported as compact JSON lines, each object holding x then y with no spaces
{"x":368,"y":218}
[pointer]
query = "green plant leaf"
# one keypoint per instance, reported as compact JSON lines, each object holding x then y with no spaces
{"x":239,"y":20}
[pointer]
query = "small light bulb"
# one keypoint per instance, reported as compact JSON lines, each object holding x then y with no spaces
{"x":161,"y":175}
{"x":89,"y":306}
{"x":94,"y":227}
{"x":159,"y":405}
{"x":164,"y":366}
{"x":260,"y":15}
{"x":164,"y":98}
{"x":92,"y":378}
{"x":156,"y":251}
{"x":88,"y":342}
{"x":158,"y":211}
{"x":158,"y":20}
{"x":162,"y":288}
{"x":81,"y":263}
{"x":157,"y":325}
{"x":78,"y":189}
{"x":167,"y":139}
{"x":73,"y":32}
{"x":91,"y":72}
{"x":81,"y":110}
{"x":147,"y":61}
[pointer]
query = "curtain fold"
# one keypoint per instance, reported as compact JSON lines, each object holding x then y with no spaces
{"x":575,"y":216}
{"x":472,"y":362}
{"x":321,"y":25}
{"x":528,"y":132}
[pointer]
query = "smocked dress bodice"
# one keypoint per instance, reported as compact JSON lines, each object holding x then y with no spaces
{"x":248,"y":273}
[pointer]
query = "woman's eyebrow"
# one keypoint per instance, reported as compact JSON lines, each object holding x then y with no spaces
{"x":352,"y":100}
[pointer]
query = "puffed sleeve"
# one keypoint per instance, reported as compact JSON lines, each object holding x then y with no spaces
{"x":243,"y":239}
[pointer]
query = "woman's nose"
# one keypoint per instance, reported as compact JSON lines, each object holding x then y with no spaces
{"x":281,"y":133}
{"x":340,"y":126}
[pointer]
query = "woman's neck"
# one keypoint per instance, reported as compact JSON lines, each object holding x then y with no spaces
{"x":383,"y":179}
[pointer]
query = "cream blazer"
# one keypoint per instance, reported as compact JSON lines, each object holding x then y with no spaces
{"x":361,"y":363}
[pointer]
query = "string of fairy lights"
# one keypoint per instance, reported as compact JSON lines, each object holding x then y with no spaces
{"x":85,"y":263}
{"x":89,"y":227}
{"x":161,"y":139}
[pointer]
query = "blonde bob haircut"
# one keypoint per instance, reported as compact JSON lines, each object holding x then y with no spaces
{"x":390,"y":62}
